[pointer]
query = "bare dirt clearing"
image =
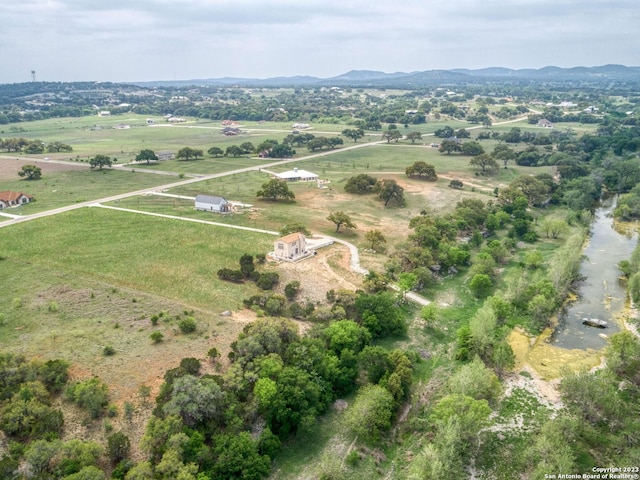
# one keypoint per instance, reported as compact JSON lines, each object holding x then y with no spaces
{"x":327,"y":270}
{"x":10,"y":166}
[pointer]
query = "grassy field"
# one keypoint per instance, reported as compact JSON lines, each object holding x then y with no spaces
{"x":86,"y":279}
{"x":59,"y":188}
{"x":313,"y":204}
{"x":80,"y":281}
{"x":93,"y":135}
{"x":173,"y":259}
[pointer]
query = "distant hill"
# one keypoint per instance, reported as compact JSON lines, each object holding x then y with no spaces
{"x":363,"y":78}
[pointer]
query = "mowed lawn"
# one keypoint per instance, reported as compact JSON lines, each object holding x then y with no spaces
{"x":174,"y":259}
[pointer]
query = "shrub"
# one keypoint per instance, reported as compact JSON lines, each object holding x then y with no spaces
{"x":275,"y":305}
{"x":118,"y":446}
{"x":91,"y":395}
{"x":480,"y":285}
{"x":292,"y":289}
{"x":430,"y":313}
{"x":128,"y":411}
{"x":121,"y":470}
{"x":230,"y":275}
{"x":625,"y":267}
{"x":187,"y":325}
{"x":108,"y":351}
{"x":156,"y":336}
{"x":191,"y":365}
{"x":370,"y":414}
{"x":456,"y":184}
{"x":112,"y":411}
{"x":213,"y":354}
{"x":266,"y":281}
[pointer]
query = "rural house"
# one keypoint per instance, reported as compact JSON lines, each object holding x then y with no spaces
{"x":9,"y":198}
{"x":543,"y":122}
{"x":291,"y":247}
{"x":208,"y":203}
{"x":296,"y":175}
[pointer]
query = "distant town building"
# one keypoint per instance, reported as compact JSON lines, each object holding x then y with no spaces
{"x":543,"y":122}
{"x":165,"y":155}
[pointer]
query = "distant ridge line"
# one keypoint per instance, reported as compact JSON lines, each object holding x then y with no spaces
{"x":611,"y":72}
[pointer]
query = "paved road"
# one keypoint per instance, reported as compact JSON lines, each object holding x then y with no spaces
{"x":187,"y":181}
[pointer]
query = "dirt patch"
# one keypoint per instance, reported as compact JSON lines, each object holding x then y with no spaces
{"x":545,"y":391}
{"x":327,"y":270}
{"x":10,"y":166}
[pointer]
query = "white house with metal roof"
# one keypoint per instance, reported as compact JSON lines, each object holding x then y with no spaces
{"x":297,"y":175}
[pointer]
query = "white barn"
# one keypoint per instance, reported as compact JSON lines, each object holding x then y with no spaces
{"x":209,"y":203}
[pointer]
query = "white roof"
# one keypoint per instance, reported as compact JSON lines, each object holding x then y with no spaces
{"x":296,"y":174}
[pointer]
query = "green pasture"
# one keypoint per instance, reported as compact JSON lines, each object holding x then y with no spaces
{"x":382,"y":159}
{"x":96,"y":135}
{"x":80,"y":281}
{"x":202,"y":166}
{"x":61,"y":188}
{"x":313,"y":204}
{"x":173,"y":259}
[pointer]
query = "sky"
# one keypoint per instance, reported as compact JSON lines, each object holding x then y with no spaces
{"x":145,"y":40}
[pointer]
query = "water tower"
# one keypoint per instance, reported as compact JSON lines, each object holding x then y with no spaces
{"x":33,"y":75}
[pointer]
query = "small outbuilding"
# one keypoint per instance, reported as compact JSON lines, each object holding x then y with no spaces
{"x":9,"y":198}
{"x":297,"y":175}
{"x":543,"y":122}
{"x":208,"y":203}
{"x":290,"y":247}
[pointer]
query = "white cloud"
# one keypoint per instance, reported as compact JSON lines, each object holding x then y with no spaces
{"x":162,"y":39}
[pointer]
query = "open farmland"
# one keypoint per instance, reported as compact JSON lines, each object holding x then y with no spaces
{"x":91,"y":285}
{"x":63,"y":184}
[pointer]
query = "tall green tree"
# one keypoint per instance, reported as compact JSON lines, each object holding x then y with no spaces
{"x":188,"y":153}
{"x":422,"y":170}
{"x":341,"y":219}
{"x":146,"y":155}
{"x":375,"y":238}
{"x":486,"y":163}
{"x":353,"y":133}
{"x":391,"y":193}
{"x":233,"y":151}
{"x":100,"y":161}
{"x":215,"y":152}
{"x":274,"y":189}
{"x":370,"y":414}
{"x":414,"y":136}
{"x":449,"y":146}
{"x":31,"y":172}
{"x":361,"y":184}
